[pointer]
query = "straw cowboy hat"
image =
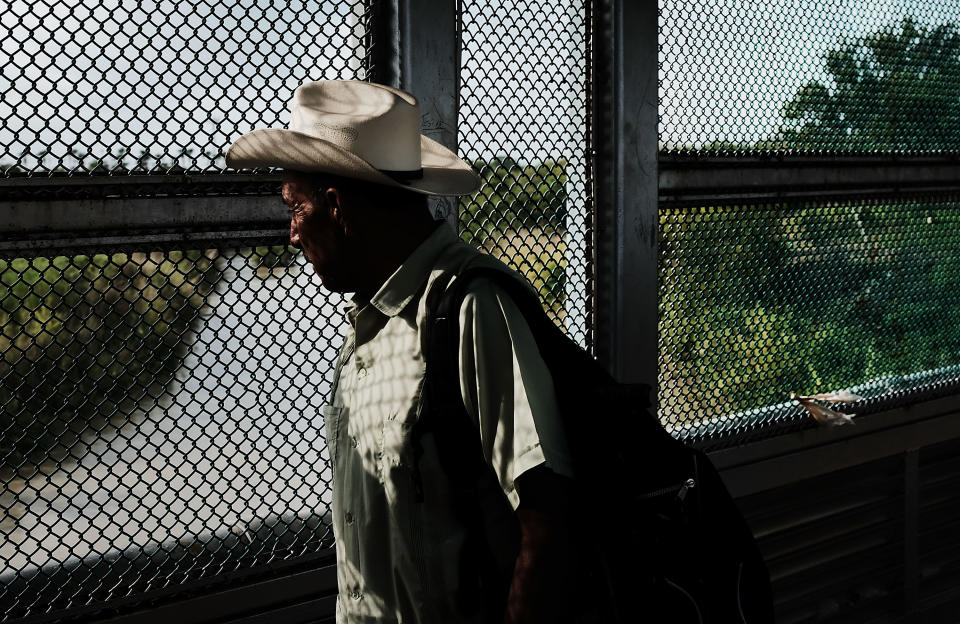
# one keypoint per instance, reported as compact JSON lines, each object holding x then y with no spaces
{"x":357,"y":130}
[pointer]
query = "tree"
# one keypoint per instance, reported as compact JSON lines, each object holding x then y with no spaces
{"x":760,"y":300}
{"x":897,"y":90}
{"x":519,"y":216}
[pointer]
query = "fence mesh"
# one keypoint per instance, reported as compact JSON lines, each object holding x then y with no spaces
{"x":160,"y":421}
{"x":159,"y":87}
{"x":759,"y":301}
{"x":161,"y":407}
{"x":778,"y":76}
{"x":523,"y":126}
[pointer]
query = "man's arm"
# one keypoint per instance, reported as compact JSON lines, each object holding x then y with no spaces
{"x":507,"y":387}
{"x":542,"y":570}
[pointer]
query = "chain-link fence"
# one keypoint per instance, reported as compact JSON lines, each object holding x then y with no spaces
{"x":161,"y":421}
{"x":524,"y":126}
{"x":762,"y":300}
{"x":159,"y":87}
{"x":805,"y":293}
{"x":161,"y":427}
{"x":835,"y":77}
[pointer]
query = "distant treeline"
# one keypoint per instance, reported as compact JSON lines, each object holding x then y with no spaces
{"x":520,"y":215}
{"x":758,"y":301}
{"x":117,"y":161}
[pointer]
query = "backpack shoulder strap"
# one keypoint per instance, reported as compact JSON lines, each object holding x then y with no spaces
{"x":560,"y":353}
{"x":442,"y":358}
{"x":520,"y":293}
{"x":443,"y":411}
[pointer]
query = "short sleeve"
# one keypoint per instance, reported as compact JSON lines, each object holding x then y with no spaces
{"x":507,"y":388}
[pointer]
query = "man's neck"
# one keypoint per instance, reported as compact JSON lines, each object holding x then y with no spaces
{"x":388,"y":251}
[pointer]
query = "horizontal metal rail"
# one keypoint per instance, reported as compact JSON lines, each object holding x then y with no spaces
{"x":186,"y":178}
{"x":785,"y":459}
{"x":691,"y":179}
{"x":308,"y":595}
{"x":43,"y":224}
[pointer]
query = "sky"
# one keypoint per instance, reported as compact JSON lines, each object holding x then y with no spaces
{"x":87,"y":75}
{"x":143,"y":75}
{"x":729,"y":66}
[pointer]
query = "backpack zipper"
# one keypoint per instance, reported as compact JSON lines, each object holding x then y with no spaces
{"x":680,"y":488}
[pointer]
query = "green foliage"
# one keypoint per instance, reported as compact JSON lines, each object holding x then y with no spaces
{"x":758,"y":301}
{"x":519,"y":216}
{"x":514,"y":197}
{"x":85,"y":338}
{"x":895,"y":90}
{"x":761,"y":301}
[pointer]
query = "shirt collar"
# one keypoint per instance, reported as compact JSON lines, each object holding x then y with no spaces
{"x":401,"y":287}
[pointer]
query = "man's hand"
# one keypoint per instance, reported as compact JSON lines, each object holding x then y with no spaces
{"x":540,"y":577}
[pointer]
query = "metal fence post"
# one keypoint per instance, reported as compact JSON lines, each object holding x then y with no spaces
{"x":625,"y":169}
{"x":430,"y":70}
{"x":383,"y":43}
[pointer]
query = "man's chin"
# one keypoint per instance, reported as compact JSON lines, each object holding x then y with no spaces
{"x":333,"y":284}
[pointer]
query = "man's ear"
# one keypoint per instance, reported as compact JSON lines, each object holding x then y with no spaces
{"x":346,"y":211}
{"x":337,"y":206}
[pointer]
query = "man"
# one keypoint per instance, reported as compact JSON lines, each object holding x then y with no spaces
{"x":358,"y":173}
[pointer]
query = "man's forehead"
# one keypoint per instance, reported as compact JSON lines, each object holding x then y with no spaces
{"x":295,"y":184}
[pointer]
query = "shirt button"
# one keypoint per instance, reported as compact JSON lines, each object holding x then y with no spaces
{"x":356,"y":595}
{"x":354,"y":442}
{"x":348,"y":517}
{"x":361,"y":373}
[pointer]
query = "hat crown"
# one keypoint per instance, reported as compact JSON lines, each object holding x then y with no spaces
{"x":379,"y":124}
{"x":357,"y":130}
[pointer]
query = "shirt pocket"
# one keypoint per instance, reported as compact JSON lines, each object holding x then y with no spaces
{"x":331,"y":426}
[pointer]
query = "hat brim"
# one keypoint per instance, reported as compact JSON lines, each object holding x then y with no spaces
{"x":443,"y":172}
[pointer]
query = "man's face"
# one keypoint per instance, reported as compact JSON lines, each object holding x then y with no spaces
{"x":313,"y":229}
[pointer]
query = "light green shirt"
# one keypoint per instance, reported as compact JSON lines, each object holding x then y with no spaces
{"x":397,"y":556}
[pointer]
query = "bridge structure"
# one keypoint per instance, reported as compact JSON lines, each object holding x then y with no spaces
{"x":736,"y":205}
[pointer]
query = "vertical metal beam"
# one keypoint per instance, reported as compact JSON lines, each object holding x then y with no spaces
{"x":625,"y":113}
{"x":430,"y":70}
{"x":383,"y":43}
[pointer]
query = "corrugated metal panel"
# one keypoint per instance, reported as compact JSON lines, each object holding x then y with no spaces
{"x":834,"y":544}
{"x":939,"y":525}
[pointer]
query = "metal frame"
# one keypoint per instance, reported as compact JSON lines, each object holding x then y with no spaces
{"x":288,"y":598}
{"x":625,"y":169}
{"x":687,"y":179}
{"x":423,"y":58}
{"x":41,"y":225}
{"x":884,"y":458}
{"x":898,"y":439}
{"x":788,"y":458}
{"x":430,"y":70}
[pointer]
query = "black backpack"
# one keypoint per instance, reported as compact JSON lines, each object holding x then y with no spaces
{"x":661,"y":540}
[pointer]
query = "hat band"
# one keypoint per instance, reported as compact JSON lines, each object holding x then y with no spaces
{"x":403,"y":177}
